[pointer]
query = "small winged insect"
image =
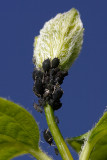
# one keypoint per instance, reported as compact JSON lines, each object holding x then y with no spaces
{"x":47,"y":136}
{"x":46,"y":65}
{"x":37,"y":108}
{"x":56,"y":151}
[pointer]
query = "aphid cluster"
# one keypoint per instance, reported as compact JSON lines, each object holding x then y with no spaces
{"x":47,"y":81}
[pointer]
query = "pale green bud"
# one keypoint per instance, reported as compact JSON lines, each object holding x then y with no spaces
{"x":61,"y":37}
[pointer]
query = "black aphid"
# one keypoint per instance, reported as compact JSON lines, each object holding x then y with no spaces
{"x":47,"y":136}
{"x":55,"y":62}
{"x":35,"y":92}
{"x":46,"y":65}
{"x":47,"y":83}
{"x":57,"y":105}
{"x":37,"y":73}
{"x":39,"y":86}
{"x":64,"y":73}
{"x":57,"y":94}
{"x":59,"y":77}
{"x":59,"y":80}
{"x":37,"y":108}
{"x":56,"y":151}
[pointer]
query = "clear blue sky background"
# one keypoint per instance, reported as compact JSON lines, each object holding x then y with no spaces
{"x":85,"y":89}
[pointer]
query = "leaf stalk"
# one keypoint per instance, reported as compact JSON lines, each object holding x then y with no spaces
{"x":40,"y":155}
{"x":60,"y":143}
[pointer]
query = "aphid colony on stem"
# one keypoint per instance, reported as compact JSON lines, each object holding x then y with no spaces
{"x":47,"y":83}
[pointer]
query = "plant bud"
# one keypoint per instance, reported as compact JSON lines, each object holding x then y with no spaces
{"x":61,"y":37}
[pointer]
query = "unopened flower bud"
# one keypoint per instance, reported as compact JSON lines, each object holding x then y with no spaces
{"x":62,"y":38}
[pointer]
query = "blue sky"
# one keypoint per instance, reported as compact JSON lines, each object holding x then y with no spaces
{"x":85,"y":89}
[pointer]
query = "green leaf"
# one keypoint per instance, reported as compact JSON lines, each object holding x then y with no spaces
{"x":77,"y":142}
{"x":93,"y":144}
{"x":19,"y":133}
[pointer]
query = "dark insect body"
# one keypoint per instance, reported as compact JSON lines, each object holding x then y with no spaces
{"x":59,"y":80}
{"x":47,"y":83}
{"x":34,"y":90}
{"x":64,"y":73}
{"x":47,"y":136}
{"x":55,"y":62}
{"x":57,"y":105}
{"x":60,"y":76}
{"x":46,"y":65}
{"x":36,"y":74}
{"x":57,"y":94}
{"x":39,"y":86}
{"x":56,"y":151}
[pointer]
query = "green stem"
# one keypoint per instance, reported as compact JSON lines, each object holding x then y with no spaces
{"x":88,"y":147}
{"x":60,"y":143}
{"x":39,"y":155}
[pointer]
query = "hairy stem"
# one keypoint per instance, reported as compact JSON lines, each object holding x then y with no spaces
{"x":87,"y":149}
{"x":60,"y":143}
{"x":39,"y":155}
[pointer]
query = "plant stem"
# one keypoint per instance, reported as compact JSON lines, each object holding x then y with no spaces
{"x":88,"y":147}
{"x":60,"y":143}
{"x":39,"y":155}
